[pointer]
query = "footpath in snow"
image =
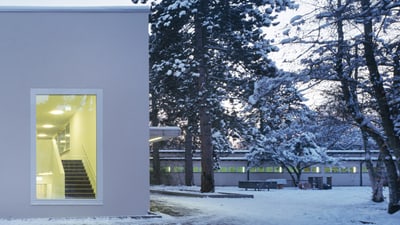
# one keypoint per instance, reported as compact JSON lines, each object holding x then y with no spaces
{"x":288,"y":206}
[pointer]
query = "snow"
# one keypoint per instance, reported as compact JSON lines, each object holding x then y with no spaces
{"x":287,"y":206}
{"x":296,"y":20}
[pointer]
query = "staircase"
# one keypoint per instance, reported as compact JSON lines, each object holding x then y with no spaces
{"x":77,"y":184}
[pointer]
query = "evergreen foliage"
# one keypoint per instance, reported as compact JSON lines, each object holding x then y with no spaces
{"x":205,"y":55}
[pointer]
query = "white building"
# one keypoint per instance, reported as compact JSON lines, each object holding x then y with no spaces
{"x":74,"y":121}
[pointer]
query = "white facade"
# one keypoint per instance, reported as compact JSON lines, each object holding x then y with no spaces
{"x":99,"y":49}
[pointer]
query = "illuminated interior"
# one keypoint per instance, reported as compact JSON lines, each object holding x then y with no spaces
{"x":66,"y":146}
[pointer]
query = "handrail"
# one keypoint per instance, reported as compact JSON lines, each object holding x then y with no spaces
{"x":91,"y":172}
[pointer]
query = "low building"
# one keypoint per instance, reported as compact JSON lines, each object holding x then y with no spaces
{"x":233,"y":167}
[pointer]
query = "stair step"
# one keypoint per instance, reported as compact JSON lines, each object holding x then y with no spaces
{"x":77,"y":184}
{"x":77,"y":174}
{"x":72,"y":168}
{"x":73,"y":187}
{"x":85,"y":191}
{"x":80,"y":195}
{"x":77,"y":179}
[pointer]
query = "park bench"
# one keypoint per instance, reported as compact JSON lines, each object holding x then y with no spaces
{"x":256,"y":184}
{"x":280,"y":183}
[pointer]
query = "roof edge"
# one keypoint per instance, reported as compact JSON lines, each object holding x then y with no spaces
{"x":122,"y":9}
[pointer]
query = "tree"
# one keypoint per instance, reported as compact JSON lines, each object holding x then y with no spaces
{"x":282,"y":128}
{"x":357,"y":56}
{"x":204,"y":54}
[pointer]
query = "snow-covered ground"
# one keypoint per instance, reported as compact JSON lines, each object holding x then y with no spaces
{"x":288,"y":206}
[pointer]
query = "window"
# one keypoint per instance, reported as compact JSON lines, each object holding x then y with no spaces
{"x":196,"y":169}
{"x":178,"y":169}
{"x":66,"y":146}
{"x":315,"y":169}
{"x":327,"y":169}
{"x":62,"y":139}
{"x":335,"y":169}
{"x":278,"y":169}
{"x":269,"y":169}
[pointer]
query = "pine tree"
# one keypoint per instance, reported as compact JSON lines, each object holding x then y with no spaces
{"x":205,"y":54}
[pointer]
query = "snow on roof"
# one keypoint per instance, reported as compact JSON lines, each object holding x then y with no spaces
{"x":71,"y":5}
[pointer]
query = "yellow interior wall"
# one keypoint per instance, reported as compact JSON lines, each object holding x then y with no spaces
{"x":50,"y":176}
{"x":83,"y":133}
{"x":44,"y":162}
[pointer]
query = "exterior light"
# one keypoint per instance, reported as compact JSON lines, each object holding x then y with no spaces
{"x":155,"y":139}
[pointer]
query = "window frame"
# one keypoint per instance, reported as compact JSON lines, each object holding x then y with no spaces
{"x":99,"y":146}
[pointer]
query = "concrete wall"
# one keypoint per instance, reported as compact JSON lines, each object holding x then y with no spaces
{"x":76,"y":49}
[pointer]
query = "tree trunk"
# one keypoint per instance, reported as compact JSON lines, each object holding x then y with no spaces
{"x":298,"y":175}
{"x":188,"y":158}
{"x":377,"y":83}
{"x":295,"y":183}
{"x":207,"y":164}
{"x":156,"y":163}
{"x":350,"y":96}
{"x":295,"y":174}
{"x":393,"y":141}
{"x":376,"y":179}
{"x":207,"y":172}
{"x":375,"y":176}
{"x":376,"y":182}
{"x":391,"y":170}
{"x":392,"y":177}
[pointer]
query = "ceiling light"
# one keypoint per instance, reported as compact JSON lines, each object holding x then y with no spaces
{"x":48,"y":126}
{"x":57,"y":112}
{"x":42,"y":135}
{"x":45,"y":173}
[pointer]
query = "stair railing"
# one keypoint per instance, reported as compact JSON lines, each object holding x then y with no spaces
{"x":89,"y":169}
